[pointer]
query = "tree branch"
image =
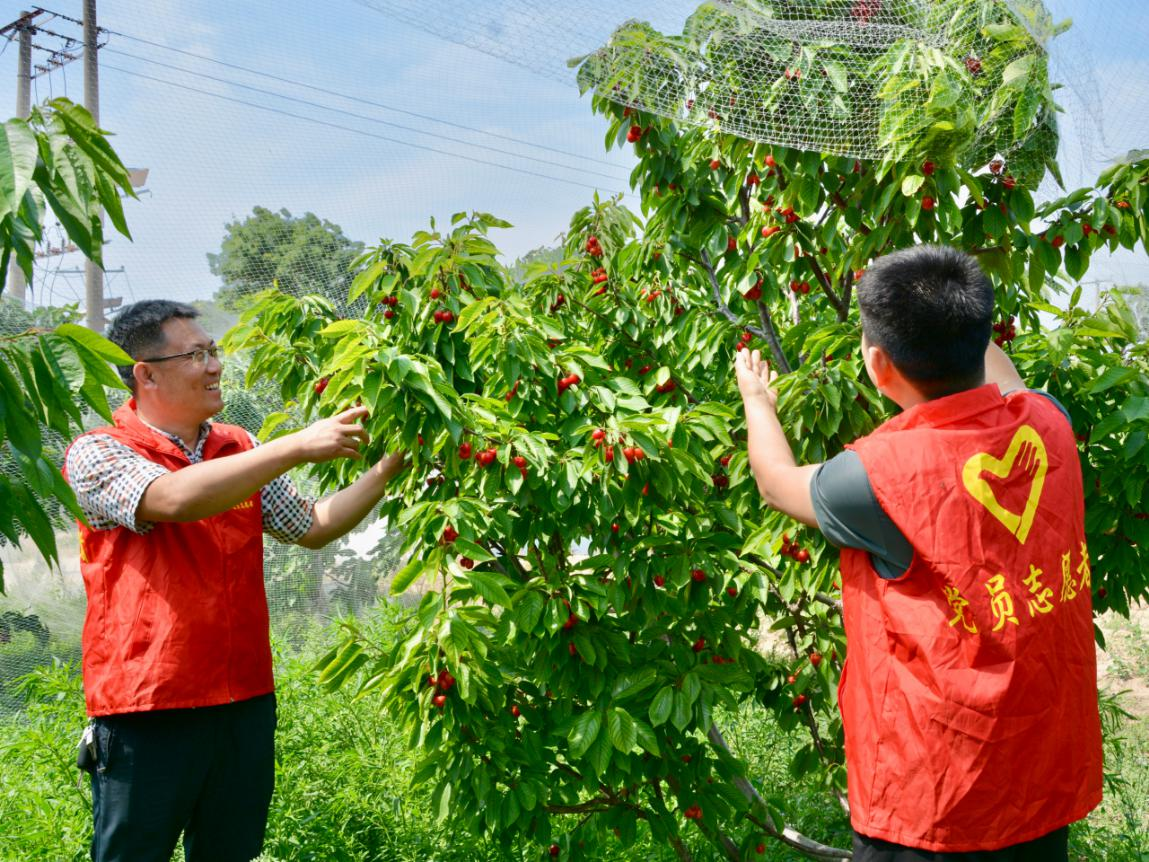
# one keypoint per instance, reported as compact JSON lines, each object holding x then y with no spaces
{"x":827,"y":288}
{"x":771,"y":336}
{"x":765,"y":821}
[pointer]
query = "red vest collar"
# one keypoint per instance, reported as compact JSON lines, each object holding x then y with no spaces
{"x":946,"y":411}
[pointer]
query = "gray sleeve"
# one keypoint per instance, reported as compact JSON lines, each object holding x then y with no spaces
{"x":849,"y":515}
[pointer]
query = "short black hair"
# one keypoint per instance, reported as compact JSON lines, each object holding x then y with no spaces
{"x":138,"y":330}
{"x":930,"y":308}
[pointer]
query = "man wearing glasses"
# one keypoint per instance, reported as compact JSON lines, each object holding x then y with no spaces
{"x":176,"y":655}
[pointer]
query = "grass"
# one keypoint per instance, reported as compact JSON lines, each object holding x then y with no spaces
{"x":343,"y":789}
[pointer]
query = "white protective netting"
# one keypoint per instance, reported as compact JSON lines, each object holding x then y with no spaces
{"x":177,"y":89}
{"x":801,"y":73}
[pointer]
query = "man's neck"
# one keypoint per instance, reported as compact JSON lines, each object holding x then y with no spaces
{"x":188,"y":434}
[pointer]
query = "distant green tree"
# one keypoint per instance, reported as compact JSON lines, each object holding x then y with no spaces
{"x":300,"y":254}
{"x":544,"y":254}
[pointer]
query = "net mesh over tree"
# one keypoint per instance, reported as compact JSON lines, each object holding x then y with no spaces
{"x":812,"y":75}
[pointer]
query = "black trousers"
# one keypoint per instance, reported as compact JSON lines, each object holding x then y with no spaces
{"x":206,"y":772}
{"x":1053,"y":847}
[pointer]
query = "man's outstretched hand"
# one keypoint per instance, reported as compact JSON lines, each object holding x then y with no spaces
{"x":755,"y":378}
{"x":339,"y":436}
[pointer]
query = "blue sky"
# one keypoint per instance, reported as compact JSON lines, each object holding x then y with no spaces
{"x":212,"y":160}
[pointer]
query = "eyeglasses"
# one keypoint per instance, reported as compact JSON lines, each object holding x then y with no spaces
{"x":199,"y":356}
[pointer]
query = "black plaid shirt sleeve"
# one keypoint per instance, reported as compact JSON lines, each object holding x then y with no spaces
{"x":109,"y":480}
{"x":286,"y":513}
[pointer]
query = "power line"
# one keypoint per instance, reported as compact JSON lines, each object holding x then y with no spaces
{"x":356,"y":131}
{"x":364,"y":117}
{"x":361,"y":100}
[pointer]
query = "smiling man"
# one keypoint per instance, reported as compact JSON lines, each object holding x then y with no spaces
{"x":176,"y":653}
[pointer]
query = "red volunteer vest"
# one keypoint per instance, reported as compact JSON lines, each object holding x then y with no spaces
{"x":969,"y":698}
{"x":178,"y":617}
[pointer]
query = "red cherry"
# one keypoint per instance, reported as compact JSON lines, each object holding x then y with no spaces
{"x":440,"y":700}
{"x":815,"y":658}
{"x":731,"y":243}
{"x":802,"y":556}
{"x":467,"y":563}
{"x":697,"y":575}
{"x":434,"y":293}
{"x":450,"y":534}
{"x":715,"y":164}
{"x":699,"y":645}
{"x":555,"y":850}
{"x":927,"y":168}
{"x":732,"y":591}
{"x":769,"y":160}
{"x":321,"y":385}
{"x":760,"y":849}
{"x":515,"y":711}
{"x":1058,"y":241}
{"x":927,"y":203}
{"x":799,"y":701}
{"x":659,"y":581}
{"x":519,"y":461}
{"x":465,"y":451}
{"x":752,"y":179}
{"x":570,"y":623}
{"x":770,"y":230}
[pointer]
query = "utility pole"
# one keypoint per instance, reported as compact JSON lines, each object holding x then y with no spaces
{"x":17,"y":286}
{"x":93,"y":275}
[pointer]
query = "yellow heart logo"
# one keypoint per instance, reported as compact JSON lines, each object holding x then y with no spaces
{"x":1027,"y":450}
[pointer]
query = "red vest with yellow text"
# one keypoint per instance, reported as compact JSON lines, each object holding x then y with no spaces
{"x":177,"y":617}
{"x":969,"y":698}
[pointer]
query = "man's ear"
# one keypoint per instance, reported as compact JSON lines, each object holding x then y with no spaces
{"x":143,"y":374}
{"x":878,"y":363}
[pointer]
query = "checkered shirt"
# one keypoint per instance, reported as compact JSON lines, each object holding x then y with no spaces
{"x":109,"y":479}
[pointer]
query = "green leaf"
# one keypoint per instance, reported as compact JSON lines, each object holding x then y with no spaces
{"x":528,"y":610}
{"x":912,"y":184}
{"x":633,"y":682}
{"x":680,"y":713}
{"x":408,"y":574}
{"x":661,"y":706}
{"x":584,"y":732}
{"x":487,"y":585}
{"x":18,"y":151}
{"x":620,"y":727}
{"x":691,"y":688}
{"x":94,"y":343}
{"x":1112,"y":377}
{"x":1015,"y":73}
